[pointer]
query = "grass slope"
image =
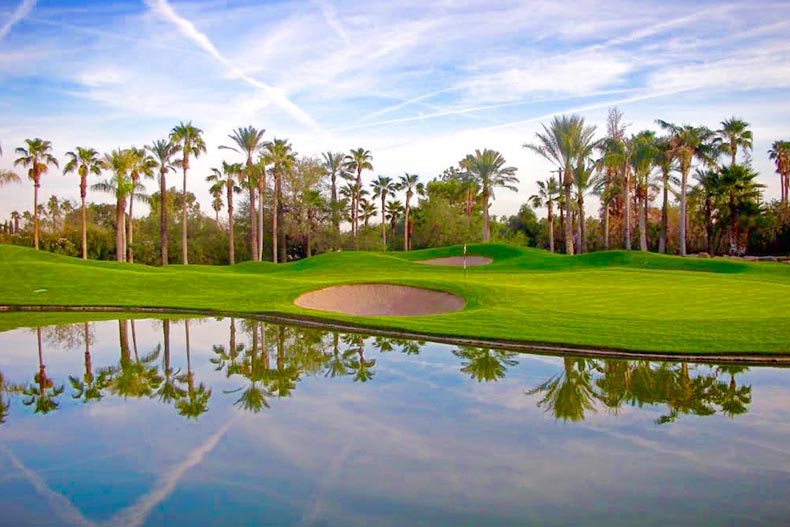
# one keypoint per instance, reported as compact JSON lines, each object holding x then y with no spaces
{"x":616,"y":299}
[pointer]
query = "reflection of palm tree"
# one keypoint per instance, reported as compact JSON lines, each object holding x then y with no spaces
{"x":90,"y":387}
{"x":338,"y":364}
{"x":355,"y":354}
{"x":483,"y":364}
{"x":686,"y":395}
{"x":42,"y":393}
{"x":5,"y":388}
{"x":614,"y":385}
{"x":282,"y":380}
{"x":732,"y":400}
{"x":568,"y":394}
{"x":133,"y":377}
{"x":253,"y":367}
{"x":169,"y":390}
{"x":196,"y":401}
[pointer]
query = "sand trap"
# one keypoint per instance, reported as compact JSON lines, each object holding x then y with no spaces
{"x":458,"y":261}
{"x":380,"y":300}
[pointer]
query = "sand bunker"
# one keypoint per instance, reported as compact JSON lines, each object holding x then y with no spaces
{"x":458,"y":261}
{"x":380,"y":300}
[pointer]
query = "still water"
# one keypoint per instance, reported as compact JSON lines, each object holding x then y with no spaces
{"x":239,"y":422}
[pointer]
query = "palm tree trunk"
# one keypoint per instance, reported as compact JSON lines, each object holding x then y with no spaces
{"x":163,"y":216}
{"x":120,"y":229}
{"x":642,"y":224}
{"x":486,"y":218}
{"x":281,"y":237}
{"x":231,"y":241}
{"x":275,"y":206}
{"x":335,"y":218}
{"x":406,"y":226}
{"x":627,"y":211}
{"x":261,"y":190}
{"x":568,"y":224}
{"x":582,"y":225}
{"x":184,"y":249}
{"x":130,"y":237}
{"x":251,"y":235}
{"x":84,"y":230}
{"x":662,"y":240}
{"x":562,"y":222}
{"x":383,"y":219}
{"x":357,"y":192}
{"x":550,"y":220}
{"x":36,"y":184}
{"x":684,"y":176}
{"x":645,"y":210}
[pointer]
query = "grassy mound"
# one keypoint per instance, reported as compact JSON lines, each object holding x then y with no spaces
{"x":616,"y":299}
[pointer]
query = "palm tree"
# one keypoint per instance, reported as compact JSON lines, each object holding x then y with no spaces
{"x":487,"y":167}
{"x":163,"y":151}
{"x":367,"y":209}
{"x":733,"y":133}
{"x":737,"y":184}
{"x":216,"y":201}
{"x":143,"y":165}
{"x":394,"y":211}
{"x":188,"y":139}
{"x":120,"y":185}
{"x":37,"y":158}
{"x":644,"y":150}
{"x":685,"y":144}
{"x":334,"y":165}
{"x":780,"y":154}
{"x":664,"y":161}
{"x":409,"y":183}
{"x":382,"y":187}
{"x":584,"y":181}
{"x":249,"y":141}
{"x":612,"y":164}
{"x":279,"y":153}
{"x":227,"y":179}
{"x":84,"y":161}
{"x":567,"y":142}
{"x":707,"y":191}
{"x":547,"y":194}
{"x":357,"y":161}
{"x":42,"y":394}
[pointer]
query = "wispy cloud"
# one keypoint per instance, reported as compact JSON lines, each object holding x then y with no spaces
{"x":21,"y":12}
{"x":188,"y":29}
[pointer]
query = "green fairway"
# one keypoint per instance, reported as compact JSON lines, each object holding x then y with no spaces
{"x":635,"y":301}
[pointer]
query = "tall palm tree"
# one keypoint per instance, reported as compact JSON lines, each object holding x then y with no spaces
{"x":686,"y":143}
{"x":707,"y":191}
{"x":120,"y":163}
{"x":280,"y":155}
{"x":780,"y":155}
{"x":664,"y":161}
{"x":227,"y":178}
{"x":383,"y":186}
{"x":84,"y":161}
{"x":644,"y":150}
{"x":547,"y":194}
{"x":584,"y":181}
{"x":7,"y":176}
{"x":189,"y":141}
{"x":367,"y":210}
{"x":163,"y":151}
{"x":357,"y":161}
{"x":37,"y":158}
{"x":566,"y":142}
{"x":411,"y":184}
{"x":248,"y":142}
{"x":488,"y":168}
{"x":143,"y":165}
{"x":734,"y":133}
{"x":611,"y":164}
{"x":334,"y":166}
{"x":216,"y":201}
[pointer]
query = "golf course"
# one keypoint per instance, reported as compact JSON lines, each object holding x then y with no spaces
{"x":614,"y":300}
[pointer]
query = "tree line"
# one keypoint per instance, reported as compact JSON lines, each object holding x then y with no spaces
{"x":280,"y":205}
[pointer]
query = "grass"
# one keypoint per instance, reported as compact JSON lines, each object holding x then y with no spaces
{"x":616,"y":299}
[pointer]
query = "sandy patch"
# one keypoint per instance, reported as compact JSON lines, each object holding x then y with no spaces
{"x":380,"y":300}
{"x":458,"y":261}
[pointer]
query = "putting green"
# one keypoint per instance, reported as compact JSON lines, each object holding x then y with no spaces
{"x":617,"y":299}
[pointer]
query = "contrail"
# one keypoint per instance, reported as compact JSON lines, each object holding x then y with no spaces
{"x":188,"y":29}
{"x":136,"y":514}
{"x":66,"y":510}
{"x":20,"y":13}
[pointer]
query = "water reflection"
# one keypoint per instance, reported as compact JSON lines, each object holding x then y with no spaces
{"x":270,"y":360}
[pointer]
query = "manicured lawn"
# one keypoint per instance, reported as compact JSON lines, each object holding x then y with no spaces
{"x":616,"y":299}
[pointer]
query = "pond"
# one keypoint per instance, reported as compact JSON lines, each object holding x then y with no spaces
{"x":221,"y":421}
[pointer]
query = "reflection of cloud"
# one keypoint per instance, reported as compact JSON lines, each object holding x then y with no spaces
{"x":62,"y":507}
{"x":137,"y":513}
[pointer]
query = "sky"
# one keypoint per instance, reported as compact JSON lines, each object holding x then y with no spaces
{"x":419,"y":84}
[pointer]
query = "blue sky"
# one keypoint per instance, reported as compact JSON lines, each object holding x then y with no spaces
{"x":419,"y":84}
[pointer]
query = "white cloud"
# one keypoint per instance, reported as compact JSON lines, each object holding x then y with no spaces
{"x":21,"y":12}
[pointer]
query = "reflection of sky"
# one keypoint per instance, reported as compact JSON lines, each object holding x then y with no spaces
{"x":420,"y":444}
